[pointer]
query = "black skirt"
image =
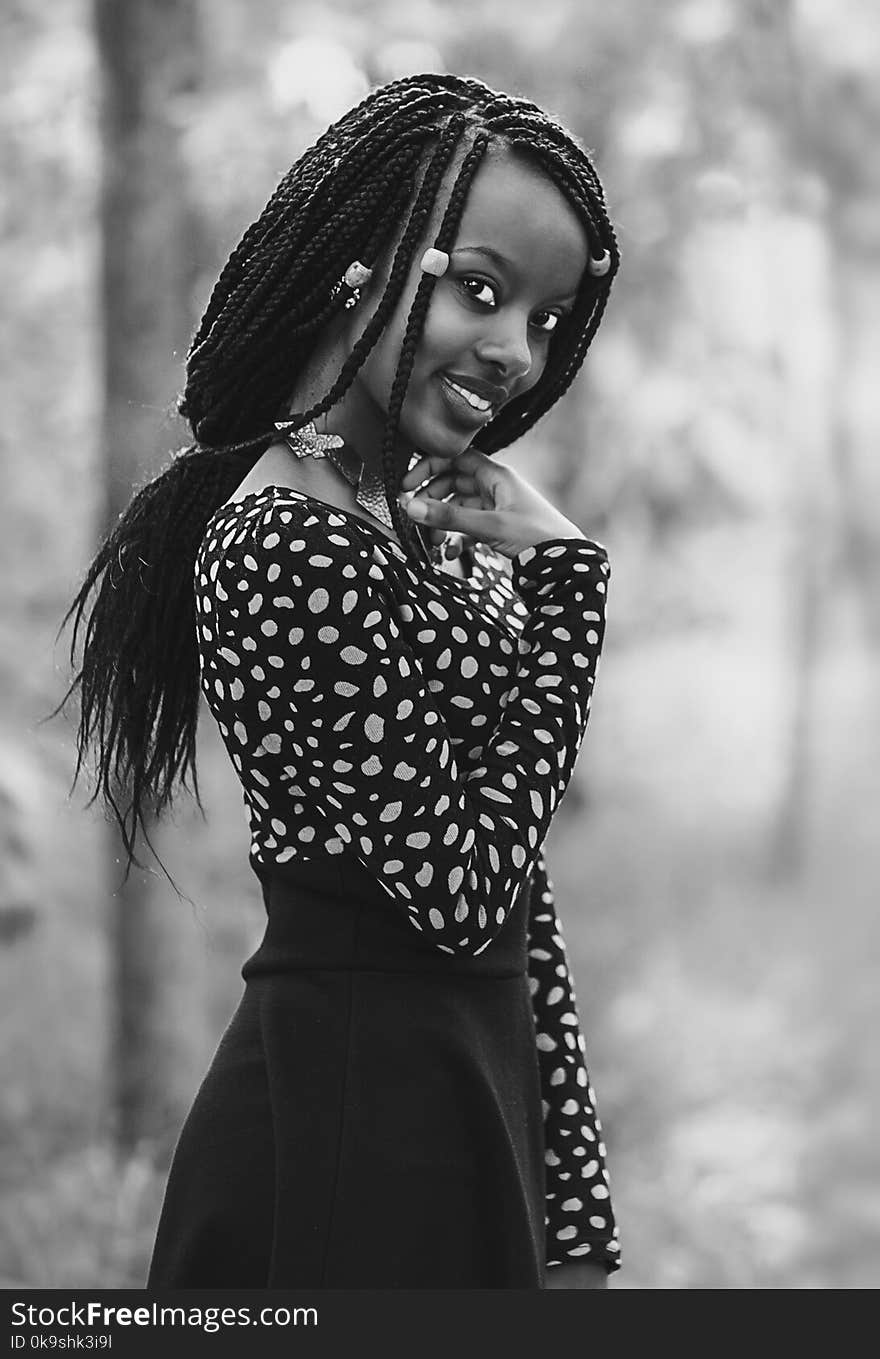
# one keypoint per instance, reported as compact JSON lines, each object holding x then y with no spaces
{"x":372,"y":1117}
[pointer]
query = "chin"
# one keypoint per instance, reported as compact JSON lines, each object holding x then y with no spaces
{"x":432,"y":431}
{"x":436,"y":438}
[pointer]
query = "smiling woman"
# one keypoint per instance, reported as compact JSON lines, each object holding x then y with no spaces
{"x":402,"y":1098}
{"x":511,"y":279}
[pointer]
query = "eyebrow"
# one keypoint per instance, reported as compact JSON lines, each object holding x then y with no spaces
{"x":486,"y":250}
{"x":497,"y":258}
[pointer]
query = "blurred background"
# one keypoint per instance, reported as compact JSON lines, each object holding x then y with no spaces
{"x":716,"y":856}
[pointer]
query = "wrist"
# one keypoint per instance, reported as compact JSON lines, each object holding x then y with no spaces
{"x":576,"y":1274}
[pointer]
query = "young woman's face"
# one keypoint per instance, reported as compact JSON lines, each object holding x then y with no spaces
{"x":514,"y":271}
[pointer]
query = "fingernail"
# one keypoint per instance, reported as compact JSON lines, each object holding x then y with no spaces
{"x":417,"y":508}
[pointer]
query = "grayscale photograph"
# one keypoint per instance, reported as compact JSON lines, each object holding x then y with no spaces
{"x":440,"y":778}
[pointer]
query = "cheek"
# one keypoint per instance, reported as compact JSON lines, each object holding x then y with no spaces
{"x":447,"y":334}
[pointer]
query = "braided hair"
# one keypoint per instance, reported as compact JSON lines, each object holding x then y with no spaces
{"x":373,"y":177}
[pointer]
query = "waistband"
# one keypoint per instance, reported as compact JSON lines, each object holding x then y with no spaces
{"x":330,"y":913}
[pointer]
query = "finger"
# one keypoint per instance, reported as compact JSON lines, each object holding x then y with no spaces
{"x":437,"y":490}
{"x":472,"y":460}
{"x":435,"y":464}
{"x":439,"y":487}
{"x":435,"y":535}
{"x":432,"y":464}
{"x":470,"y":502}
{"x":446,"y":514}
{"x":444,"y":485}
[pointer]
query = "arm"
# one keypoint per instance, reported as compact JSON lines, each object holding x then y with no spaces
{"x":452,"y":849}
{"x":580,"y":1219}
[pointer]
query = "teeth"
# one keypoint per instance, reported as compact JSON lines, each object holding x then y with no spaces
{"x":471,"y":398}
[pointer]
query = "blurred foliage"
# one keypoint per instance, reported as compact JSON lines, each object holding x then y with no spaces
{"x":720,"y":440}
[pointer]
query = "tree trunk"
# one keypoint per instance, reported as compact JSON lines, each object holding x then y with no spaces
{"x":856,"y":423}
{"x":147,"y":51}
{"x":806,"y":423}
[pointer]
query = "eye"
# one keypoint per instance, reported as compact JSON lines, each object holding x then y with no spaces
{"x":476,"y":288}
{"x":550,"y":322}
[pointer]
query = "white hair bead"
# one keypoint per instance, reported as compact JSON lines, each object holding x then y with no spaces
{"x":599,"y":267}
{"x":435,"y":262}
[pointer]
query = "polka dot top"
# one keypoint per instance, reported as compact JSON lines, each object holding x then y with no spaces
{"x":428,"y":725}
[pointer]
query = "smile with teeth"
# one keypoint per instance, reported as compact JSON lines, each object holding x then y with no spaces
{"x":477,"y":402}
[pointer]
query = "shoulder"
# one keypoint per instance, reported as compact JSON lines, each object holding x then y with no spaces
{"x":293,"y":547}
{"x":272,"y":523}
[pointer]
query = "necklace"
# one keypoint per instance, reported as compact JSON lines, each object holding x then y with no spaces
{"x":306,"y":442}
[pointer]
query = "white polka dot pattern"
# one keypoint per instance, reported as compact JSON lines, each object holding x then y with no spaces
{"x":428,"y":726}
{"x":580,"y":1220}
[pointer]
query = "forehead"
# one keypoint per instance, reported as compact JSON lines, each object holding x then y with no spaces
{"x":515,"y":209}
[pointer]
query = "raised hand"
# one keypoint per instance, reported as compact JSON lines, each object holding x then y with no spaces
{"x":483,"y":500}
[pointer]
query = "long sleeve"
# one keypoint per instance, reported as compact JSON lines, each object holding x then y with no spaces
{"x":580,"y":1219}
{"x":331,"y":701}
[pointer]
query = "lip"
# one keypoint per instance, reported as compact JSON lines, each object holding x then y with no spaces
{"x":489,"y":391}
{"x":463,"y":412}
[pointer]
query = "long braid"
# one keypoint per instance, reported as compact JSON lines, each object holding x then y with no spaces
{"x":372,"y":177}
{"x":399,"y":271}
{"x":145,"y":733}
{"x":347,"y":225}
{"x":412,"y":335}
{"x":360,"y":352}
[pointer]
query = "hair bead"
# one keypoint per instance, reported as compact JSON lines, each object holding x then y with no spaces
{"x":357,"y":274}
{"x":434,"y":262}
{"x":599,"y":266}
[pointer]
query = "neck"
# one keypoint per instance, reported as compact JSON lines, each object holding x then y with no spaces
{"x":356,"y":416}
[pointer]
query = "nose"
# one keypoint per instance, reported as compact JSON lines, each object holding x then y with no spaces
{"x":505,"y":346}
